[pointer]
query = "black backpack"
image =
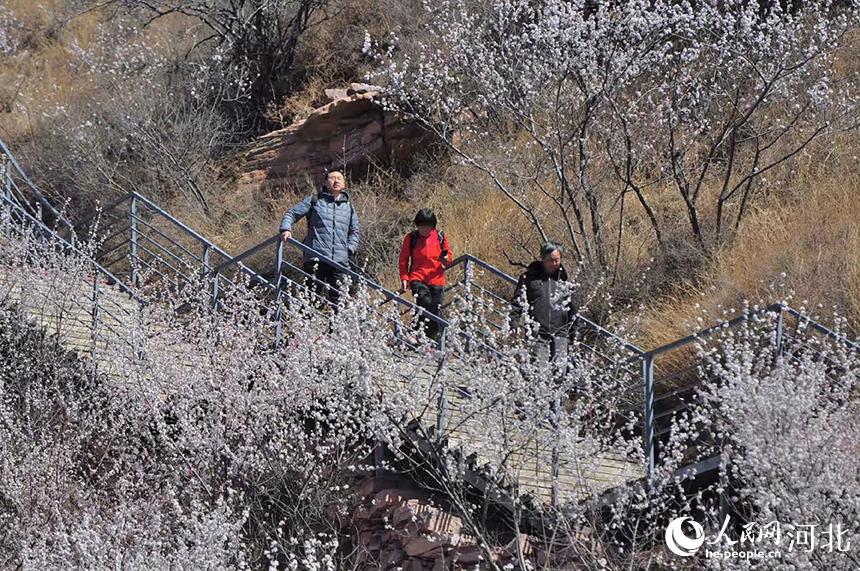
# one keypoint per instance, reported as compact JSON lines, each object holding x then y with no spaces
{"x":413,"y":239}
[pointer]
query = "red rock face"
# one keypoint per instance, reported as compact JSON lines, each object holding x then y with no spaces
{"x":401,"y":528}
{"x":352,"y":131}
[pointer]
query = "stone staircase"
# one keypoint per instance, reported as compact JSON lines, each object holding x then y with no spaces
{"x":91,"y":330}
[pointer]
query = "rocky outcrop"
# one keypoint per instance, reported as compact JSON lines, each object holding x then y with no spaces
{"x":400,"y":528}
{"x":352,"y":130}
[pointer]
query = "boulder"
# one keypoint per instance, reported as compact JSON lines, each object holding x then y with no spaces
{"x":332,"y":94}
{"x":391,"y":557}
{"x":413,"y":564}
{"x":417,"y":515}
{"x":353,"y":130}
{"x":406,"y":513}
{"x":386,"y":499}
{"x":425,"y":545}
{"x":428,"y":544}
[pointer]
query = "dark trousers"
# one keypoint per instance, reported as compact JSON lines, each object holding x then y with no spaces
{"x":551,"y":352}
{"x":326,"y":282}
{"x":429,"y":297}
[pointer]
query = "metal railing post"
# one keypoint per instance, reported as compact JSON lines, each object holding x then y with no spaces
{"x":442,"y":418}
{"x":556,"y":456}
{"x":214,"y":291}
{"x":95,"y":320}
{"x":207,"y":250}
{"x":279,"y":261}
{"x":442,"y":404}
{"x":7,"y":193}
{"x":777,"y":342}
{"x":647,"y":373}
{"x":133,"y":243}
{"x":467,"y":294}
{"x":467,"y":278}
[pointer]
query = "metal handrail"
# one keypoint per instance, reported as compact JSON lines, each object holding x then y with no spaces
{"x":606,"y":333}
{"x":101,"y":209}
{"x":137,"y":198}
{"x":777,"y":309}
{"x":235,"y":260}
{"x":389,"y":295}
{"x":238,"y":259}
{"x":178,"y":223}
{"x":163,"y":235}
{"x":709,"y":330}
{"x":486,"y":265}
{"x":468,"y":258}
{"x":39,"y":196}
{"x":136,"y":237}
{"x":69,"y":246}
{"x":820,"y":328}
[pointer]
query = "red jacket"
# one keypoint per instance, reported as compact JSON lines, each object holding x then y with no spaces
{"x":425,"y":266}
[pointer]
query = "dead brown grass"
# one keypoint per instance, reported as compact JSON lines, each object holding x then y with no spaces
{"x":47,"y":73}
{"x":802,"y":245}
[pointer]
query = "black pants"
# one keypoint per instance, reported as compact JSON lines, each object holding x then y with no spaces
{"x":326,"y":282}
{"x":551,"y":352}
{"x":429,"y":297}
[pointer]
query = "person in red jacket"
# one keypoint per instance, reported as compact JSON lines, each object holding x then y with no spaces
{"x":423,"y":258}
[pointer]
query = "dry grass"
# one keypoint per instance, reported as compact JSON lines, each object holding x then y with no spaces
{"x":47,"y":74}
{"x":803,"y":245}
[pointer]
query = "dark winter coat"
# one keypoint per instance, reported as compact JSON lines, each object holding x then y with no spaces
{"x":540,"y":291}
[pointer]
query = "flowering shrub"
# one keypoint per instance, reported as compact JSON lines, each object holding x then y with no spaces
{"x":9,"y":28}
{"x":184,"y":443}
{"x":178,"y":436}
{"x":787,"y":429}
{"x":587,"y":104}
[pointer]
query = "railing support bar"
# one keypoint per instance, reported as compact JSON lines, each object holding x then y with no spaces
{"x":7,"y":193}
{"x":133,"y":246}
{"x":556,"y":456}
{"x":468,"y":271}
{"x":279,"y":280}
{"x":214,"y":291}
{"x":95,"y":321}
{"x":777,"y":341}
{"x":647,"y":372}
{"x":442,"y":404}
{"x":207,"y":249}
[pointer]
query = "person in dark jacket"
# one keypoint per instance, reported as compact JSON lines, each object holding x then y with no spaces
{"x":423,"y":258}
{"x":543,"y":286}
{"x":333,"y":230}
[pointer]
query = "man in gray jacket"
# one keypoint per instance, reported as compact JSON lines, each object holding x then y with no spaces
{"x":332,"y":231}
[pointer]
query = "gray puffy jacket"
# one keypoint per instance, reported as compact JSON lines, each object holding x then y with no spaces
{"x":332,"y":225}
